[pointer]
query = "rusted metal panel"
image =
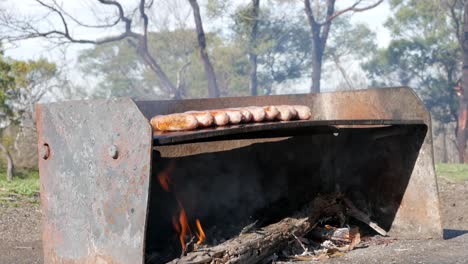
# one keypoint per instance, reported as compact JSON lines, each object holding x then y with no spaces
{"x":94,"y":172}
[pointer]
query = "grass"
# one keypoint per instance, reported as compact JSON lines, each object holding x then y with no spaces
{"x":453,"y":172}
{"x":23,"y":188}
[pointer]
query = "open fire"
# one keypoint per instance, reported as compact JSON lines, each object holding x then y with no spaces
{"x":180,"y":221}
{"x":317,"y":229}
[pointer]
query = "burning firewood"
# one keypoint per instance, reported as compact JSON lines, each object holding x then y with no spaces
{"x":256,"y":246}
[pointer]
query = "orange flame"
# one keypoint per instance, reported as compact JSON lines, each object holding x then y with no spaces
{"x":163,"y":177}
{"x":180,"y":223}
{"x":184,"y":227}
{"x":175,"y":224}
{"x":164,"y":181}
{"x":201,"y":233}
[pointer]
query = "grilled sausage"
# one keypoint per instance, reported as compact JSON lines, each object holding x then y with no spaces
{"x":246,"y":115}
{"x":220,"y":117}
{"x":285,"y":113}
{"x":271,"y":112}
{"x":204,"y":119}
{"x":303,"y":112}
{"x":174,"y":122}
{"x":258,"y":114}
{"x":235,"y":116}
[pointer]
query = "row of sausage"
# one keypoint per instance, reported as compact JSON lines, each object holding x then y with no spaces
{"x":230,"y":116}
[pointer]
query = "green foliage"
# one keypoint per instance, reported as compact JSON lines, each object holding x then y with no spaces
{"x":32,"y":71}
{"x":121,"y":72}
{"x":7,"y":85}
{"x":283,"y":45}
{"x":425,"y":53}
{"x":454,"y":172}
{"x":348,"y":39}
{"x":23,"y":187}
{"x":22,"y":83}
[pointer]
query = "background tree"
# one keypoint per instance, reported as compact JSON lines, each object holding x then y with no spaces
{"x":18,"y":27}
{"x":462,"y":94}
{"x":348,"y":45}
{"x":278,"y":53}
{"x":7,"y":85}
{"x":213,"y":90}
{"x":254,"y":18}
{"x":120,"y":72}
{"x":23,"y":84}
{"x":320,"y":19}
{"x":424,"y":53}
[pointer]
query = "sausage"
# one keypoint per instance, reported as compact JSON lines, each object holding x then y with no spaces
{"x":246,"y":115}
{"x":220,"y":117}
{"x":303,"y":112}
{"x":204,"y":119}
{"x":235,"y":116}
{"x":174,"y":122}
{"x":271,"y":112}
{"x":293,"y":111}
{"x":258,"y":114}
{"x":285,"y":113}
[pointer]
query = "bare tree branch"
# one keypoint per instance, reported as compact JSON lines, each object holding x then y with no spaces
{"x":145,"y":24}
{"x":213,"y":90}
{"x":352,"y":8}
{"x":28,"y":29}
{"x":82,"y":24}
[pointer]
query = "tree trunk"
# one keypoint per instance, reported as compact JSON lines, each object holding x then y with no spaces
{"x":316,"y":74}
{"x":319,"y":40}
{"x":462,"y":126}
{"x":252,"y":46}
{"x":463,"y":98}
{"x":10,"y":165}
{"x":213,"y":90}
{"x":444,"y":144}
{"x":343,"y":72}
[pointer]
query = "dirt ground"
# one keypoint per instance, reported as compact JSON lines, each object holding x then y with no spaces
{"x":20,"y":235}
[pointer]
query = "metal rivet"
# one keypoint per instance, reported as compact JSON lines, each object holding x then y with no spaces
{"x":44,"y":152}
{"x":113,"y":152}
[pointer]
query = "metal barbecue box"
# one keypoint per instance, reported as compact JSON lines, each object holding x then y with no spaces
{"x":103,"y":169}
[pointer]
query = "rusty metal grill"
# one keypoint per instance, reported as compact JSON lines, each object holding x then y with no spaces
{"x":98,"y":197}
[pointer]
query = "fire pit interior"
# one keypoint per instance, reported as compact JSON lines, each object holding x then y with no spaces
{"x":223,"y":185}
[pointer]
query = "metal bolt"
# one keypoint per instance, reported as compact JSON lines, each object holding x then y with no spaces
{"x":113,"y":152}
{"x":44,"y":152}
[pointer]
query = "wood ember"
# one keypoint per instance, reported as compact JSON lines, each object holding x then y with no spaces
{"x":288,"y":237}
{"x":251,"y":247}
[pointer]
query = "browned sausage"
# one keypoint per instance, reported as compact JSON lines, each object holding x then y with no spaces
{"x":204,"y":119}
{"x":174,"y":122}
{"x":220,"y":117}
{"x":235,"y":116}
{"x":285,"y":113}
{"x":246,"y":115}
{"x":258,"y":114}
{"x":271,"y":112}
{"x":303,"y":112}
